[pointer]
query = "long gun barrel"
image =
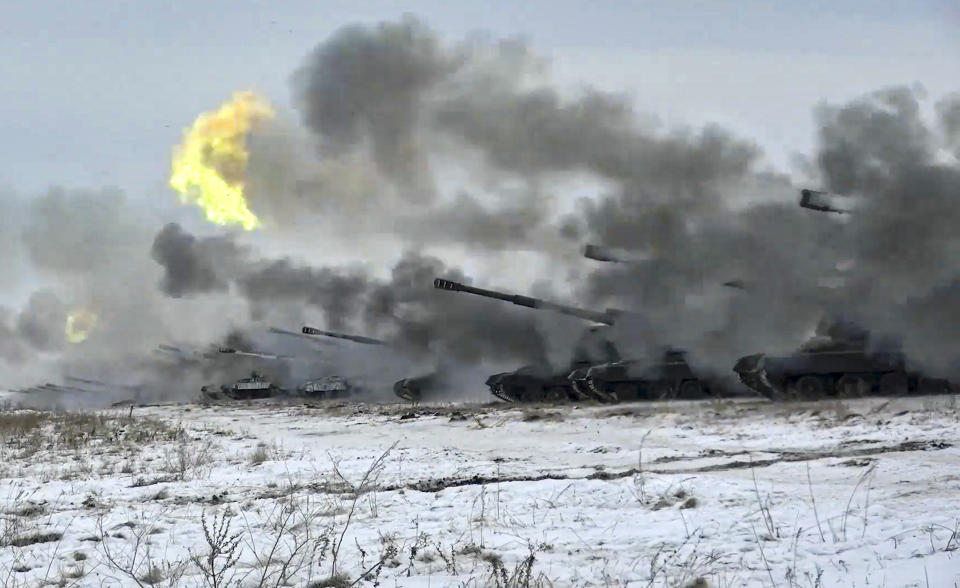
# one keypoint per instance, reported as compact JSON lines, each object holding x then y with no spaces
{"x":612,"y":254}
{"x":279,"y":331}
{"x":354,"y":338}
{"x":608,"y":317}
{"x":260,"y":354}
{"x":825,"y":201}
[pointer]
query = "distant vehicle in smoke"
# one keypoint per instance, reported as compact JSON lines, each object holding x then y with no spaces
{"x":543,"y":383}
{"x":842,"y":361}
{"x":332,"y":386}
{"x":251,"y":388}
{"x":413,"y":389}
{"x":601,"y":375}
{"x":327,"y":387}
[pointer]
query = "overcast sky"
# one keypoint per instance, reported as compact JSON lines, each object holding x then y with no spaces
{"x":96,"y":93}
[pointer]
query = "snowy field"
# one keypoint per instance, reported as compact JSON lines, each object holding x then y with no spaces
{"x":860,"y":493}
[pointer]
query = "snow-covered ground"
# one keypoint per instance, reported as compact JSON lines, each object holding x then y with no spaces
{"x":862,"y":493}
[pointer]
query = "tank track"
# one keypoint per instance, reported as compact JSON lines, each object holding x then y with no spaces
{"x":809,"y":387}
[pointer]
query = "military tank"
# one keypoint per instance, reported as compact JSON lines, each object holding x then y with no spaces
{"x":543,"y":383}
{"x":327,"y":387}
{"x":412,"y":389}
{"x":597,"y":371}
{"x":539,"y":382}
{"x":254,"y":387}
{"x":669,"y":378}
{"x":841,"y":361}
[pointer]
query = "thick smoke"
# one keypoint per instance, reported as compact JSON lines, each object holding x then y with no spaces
{"x":368,"y":85}
{"x":90,"y":251}
{"x":891,"y":266}
{"x":192,"y":266}
{"x":404,"y":309}
{"x":453,"y":156}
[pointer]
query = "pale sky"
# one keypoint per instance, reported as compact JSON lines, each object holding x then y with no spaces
{"x":96,"y":93}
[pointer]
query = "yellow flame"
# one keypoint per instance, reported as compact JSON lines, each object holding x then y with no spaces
{"x":80,"y":323}
{"x":210,"y":163}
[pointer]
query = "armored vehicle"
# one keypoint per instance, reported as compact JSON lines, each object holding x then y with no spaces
{"x":327,"y":387}
{"x":543,"y":383}
{"x":597,"y":372}
{"x":411,"y":389}
{"x":251,"y":388}
{"x":414,"y":389}
{"x":670,"y":378}
{"x":842,"y":361}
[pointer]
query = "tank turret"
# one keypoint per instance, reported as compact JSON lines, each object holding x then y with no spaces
{"x":254,"y":387}
{"x":542,"y":383}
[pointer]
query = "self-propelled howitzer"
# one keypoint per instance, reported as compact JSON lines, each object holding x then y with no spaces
{"x":412,"y":389}
{"x":538,"y":383}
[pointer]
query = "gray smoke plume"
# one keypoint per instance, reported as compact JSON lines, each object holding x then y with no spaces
{"x":949,"y":111}
{"x":191,"y":265}
{"x":406,"y":309}
{"x":890,"y":267}
{"x":410,"y":144}
{"x":367,"y":85}
{"x":90,"y":251}
{"x":41,"y":323}
{"x":903,"y":241}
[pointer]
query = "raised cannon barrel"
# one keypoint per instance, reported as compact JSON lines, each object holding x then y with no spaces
{"x":612,"y":254}
{"x":608,"y":317}
{"x":285,"y":332}
{"x":354,"y":338}
{"x":826,"y":202}
{"x":260,"y":354}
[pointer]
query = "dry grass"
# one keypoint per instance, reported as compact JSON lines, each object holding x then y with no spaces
{"x":30,"y":431}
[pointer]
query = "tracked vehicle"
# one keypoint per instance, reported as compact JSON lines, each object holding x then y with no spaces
{"x":254,"y":387}
{"x":327,"y":387}
{"x":597,"y":371}
{"x":841,"y":362}
{"x":670,"y":378}
{"x":412,"y":389}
